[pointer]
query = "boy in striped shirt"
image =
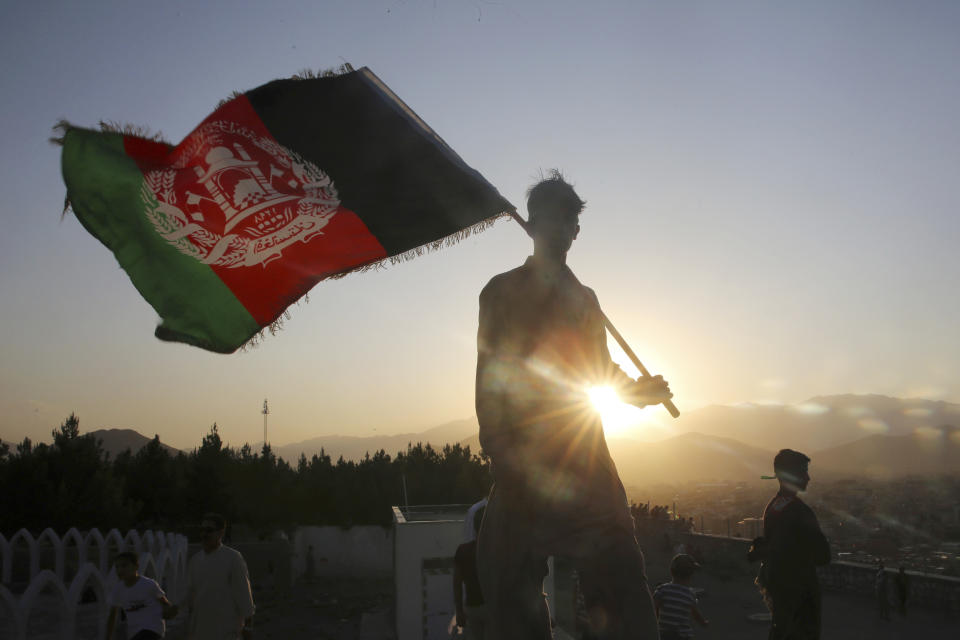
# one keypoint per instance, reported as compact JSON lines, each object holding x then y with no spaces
{"x":675,"y":601}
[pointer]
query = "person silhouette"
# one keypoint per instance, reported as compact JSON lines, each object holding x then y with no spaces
{"x":467,"y":595}
{"x":541,"y":344}
{"x":881,"y":586}
{"x":791,"y":548}
{"x":902,"y":584}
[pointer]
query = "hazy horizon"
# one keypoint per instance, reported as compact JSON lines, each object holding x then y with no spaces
{"x":771,"y":204}
{"x":860,"y":416}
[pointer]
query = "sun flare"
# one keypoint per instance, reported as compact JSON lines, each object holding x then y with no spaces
{"x":604,"y":399}
{"x":622,"y":420}
{"x":618,"y":417}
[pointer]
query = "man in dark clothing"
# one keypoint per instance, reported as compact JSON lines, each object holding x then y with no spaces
{"x":467,"y":595}
{"x":541,"y":346}
{"x":902,"y":583}
{"x":791,"y":548}
{"x":881,"y":589}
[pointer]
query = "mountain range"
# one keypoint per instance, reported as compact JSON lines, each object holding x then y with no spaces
{"x":871,"y":435}
{"x":819,"y":423}
{"x":116,"y":441}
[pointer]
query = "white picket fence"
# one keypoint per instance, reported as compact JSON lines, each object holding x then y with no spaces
{"x":56,"y":587}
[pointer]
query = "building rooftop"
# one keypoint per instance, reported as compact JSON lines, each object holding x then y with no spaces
{"x":430,"y":513}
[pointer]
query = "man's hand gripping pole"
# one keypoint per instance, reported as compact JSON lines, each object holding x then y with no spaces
{"x":668,"y":404}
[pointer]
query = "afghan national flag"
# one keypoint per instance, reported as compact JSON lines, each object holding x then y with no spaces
{"x":290,"y":183}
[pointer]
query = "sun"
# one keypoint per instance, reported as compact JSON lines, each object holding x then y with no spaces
{"x":604,"y":399}
{"x":618,"y":417}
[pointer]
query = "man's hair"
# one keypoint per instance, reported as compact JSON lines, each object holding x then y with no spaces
{"x":217,"y":520}
{"x":128,"y":556}
{"x":553,"y":195}
{"x":790,"y":460}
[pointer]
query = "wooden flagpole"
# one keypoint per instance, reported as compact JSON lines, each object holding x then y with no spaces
{"x":668,"y":404}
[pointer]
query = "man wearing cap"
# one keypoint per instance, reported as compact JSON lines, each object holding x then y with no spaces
{"x":791,"y":548}
{"x":541,"y":345}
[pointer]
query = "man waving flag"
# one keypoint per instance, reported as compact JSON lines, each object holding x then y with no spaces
{"x":283,"y":186}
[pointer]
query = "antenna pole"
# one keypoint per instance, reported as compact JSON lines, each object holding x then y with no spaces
{"x":265,"y":412}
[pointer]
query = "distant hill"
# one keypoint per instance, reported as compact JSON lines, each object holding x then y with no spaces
{"x":840,"y":433}
{"x":689,"y":457}
{"x":116,"y":441}
{"x":819,"y":423}
{"x":683,"y":458}
{"x":354,"y":448}
{"x":929,"y":451}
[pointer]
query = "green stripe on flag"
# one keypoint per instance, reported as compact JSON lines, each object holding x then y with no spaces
{"x":104,"y":188}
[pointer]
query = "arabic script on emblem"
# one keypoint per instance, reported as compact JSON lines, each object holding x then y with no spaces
{"x":234,"y":198}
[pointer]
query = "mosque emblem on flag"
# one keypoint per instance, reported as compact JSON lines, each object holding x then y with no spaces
{"x":235,"y":198}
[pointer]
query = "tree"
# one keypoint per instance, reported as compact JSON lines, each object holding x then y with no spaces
{"x":68,"y":431}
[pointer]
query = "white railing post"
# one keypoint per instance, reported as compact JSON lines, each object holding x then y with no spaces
{"x":162,"y":556}
{"x":37,"y":585}
{"x":7,"y":559}
{"x":57,"y":544}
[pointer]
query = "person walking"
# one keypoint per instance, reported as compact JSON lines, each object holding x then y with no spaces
{"x":218,"y":598}
{"x":676,"y":602}
{"x":142,"y":601}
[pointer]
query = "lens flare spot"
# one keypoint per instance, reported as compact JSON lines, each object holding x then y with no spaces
{"x":917,"y":412}
{"x":619,"y":419}
{"x":811,"y":409}
{"x":603,"y":399}
{"x":928,"y":433}
{"x":873,"y":425}
{"x":773,"y":384}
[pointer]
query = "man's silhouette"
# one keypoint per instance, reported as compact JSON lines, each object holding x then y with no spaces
{"x":881,"y":585}
{"x":902,"y":584}
{"x":791,"y":548}
{"x":541,"y":346}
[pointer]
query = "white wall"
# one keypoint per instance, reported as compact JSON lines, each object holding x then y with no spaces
{"x":53,"y":597}
{"x":357,"y":551}
{"x":414,"y":542}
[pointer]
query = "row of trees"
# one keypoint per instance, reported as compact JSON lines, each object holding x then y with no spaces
{"x":73,"y":482}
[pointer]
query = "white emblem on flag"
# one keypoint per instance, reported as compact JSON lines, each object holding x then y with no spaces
{"x":235,"y":198}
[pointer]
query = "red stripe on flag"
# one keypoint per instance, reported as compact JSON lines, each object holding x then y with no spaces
{"x":267,"y":222}
{"x":266,"y":290}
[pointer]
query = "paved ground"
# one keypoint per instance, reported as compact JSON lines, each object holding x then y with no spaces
{"x":729,"y":603}
{"x":323,"y":610}
{"x":362,"y":610}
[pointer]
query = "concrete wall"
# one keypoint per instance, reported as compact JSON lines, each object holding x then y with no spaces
{"x":925,"y":590}
{"x":357,"y":552}
{"x":269,"y":565}
{"x":415,"y":543}
{"x":729,"y":555}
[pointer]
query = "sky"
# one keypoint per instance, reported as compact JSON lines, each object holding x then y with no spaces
{"x":772,"y":203}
